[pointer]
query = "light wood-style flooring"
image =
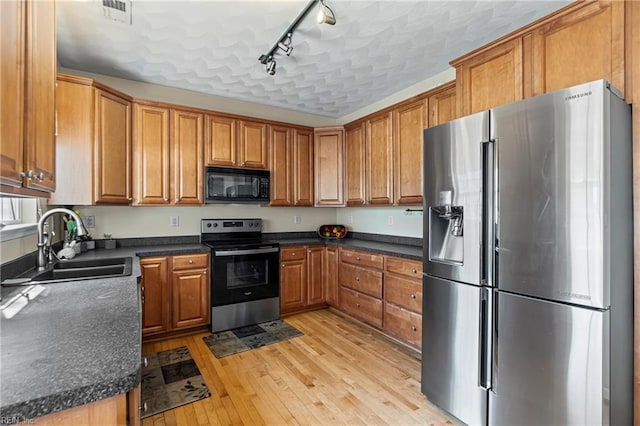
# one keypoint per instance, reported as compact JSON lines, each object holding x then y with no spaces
{"x":339,"y":373}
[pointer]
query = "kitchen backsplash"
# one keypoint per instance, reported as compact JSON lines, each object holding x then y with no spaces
{"x":131,"y":222}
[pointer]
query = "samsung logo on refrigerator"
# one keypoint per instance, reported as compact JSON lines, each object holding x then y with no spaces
{"x":575,"y":295}
{"x":578,"y":95}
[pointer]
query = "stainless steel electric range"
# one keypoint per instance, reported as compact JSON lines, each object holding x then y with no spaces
{"x":245,"y":278}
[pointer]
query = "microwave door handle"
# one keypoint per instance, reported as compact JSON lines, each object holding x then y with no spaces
{"x":256,"y":187}
{"x":222,"y":253}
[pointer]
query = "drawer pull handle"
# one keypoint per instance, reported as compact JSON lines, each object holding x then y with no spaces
{"x":358,"y":258}
{"x":414,"y":271}
{"x":413,"y":296}
{"x":357,"y":305}
{"x":145,"y":361}
{"x":293,"y":253}
{"x":144,"y":407}
{"x":283,"y":265}
{"x":414,"y":328}
{"x":357,"y":278}
{"x":190,"y":261}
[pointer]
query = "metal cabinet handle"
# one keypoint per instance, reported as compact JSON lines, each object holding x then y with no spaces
{"x":142,"y":300}
{"x":413,"y":296}
{"x":358,"y":258}
{"x":144,"y":407}
{"x":130,"y":199}
{"x":145,"y":361}
{"x":357,"y":278}
{"x":204,"y":273}
{"x":414,"y":271}
{"x":414,"y":328}
{"x":166,"y":200}
{"x":190,"y":261}
{"x":28,"y":175}
{"x":243,"y":163}
{"x":357,"y":305}
{"x":283,"y":265}
{"x":142,"y":289}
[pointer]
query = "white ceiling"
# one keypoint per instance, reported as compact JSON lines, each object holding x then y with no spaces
{"x":376,"y":48}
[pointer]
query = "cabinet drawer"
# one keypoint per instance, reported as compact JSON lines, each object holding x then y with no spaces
{"x":361,"y":279}
{"x":403,"y":292}
{"x":190,"y":261}
{"x":410,"y":268}
{"x":362,"y":259}
{"x":403,"y":324}
{"x":361,"y":306}
{"x":292,"y":253}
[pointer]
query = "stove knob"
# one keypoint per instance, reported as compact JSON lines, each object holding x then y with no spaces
{"x":215,"y":225}
{"x":208,"y":225}
{"x":250,"y":224}
{"x":257,"y":224}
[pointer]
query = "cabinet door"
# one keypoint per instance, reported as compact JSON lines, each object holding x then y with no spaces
{"x":331,"y":275}
{"x":379,"y":160}
{"x":151,"y":154}
{"x":490,"y":79}
{"x":329,"y":167}
{"x":409,"y":123}
{"x":186,"y":159}
{"x":112,"y":149}
{"x":220,"y":141}
{"x":190,"y":298}
{"x":302,"y":170}
{"x":40,"y":81}
{"x":155,"y":294}
{"x":75,"y":112}
{"x":280,"y":138}
{"x":584,"y":45}
{"x":254,"y":152}
{"x":12,"y":92}
{"x":293,"y":285}
{"x":442,"y":105}
{"x":315,"y":269}
{"x":355,"y":165}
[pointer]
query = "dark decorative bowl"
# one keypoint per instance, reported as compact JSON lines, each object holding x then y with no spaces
{"x":332,"y":232}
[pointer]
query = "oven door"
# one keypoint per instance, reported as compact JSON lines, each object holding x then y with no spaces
{"x":241,"y":275}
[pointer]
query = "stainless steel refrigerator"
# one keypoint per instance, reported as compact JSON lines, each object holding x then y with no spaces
{"x":528,"y":260}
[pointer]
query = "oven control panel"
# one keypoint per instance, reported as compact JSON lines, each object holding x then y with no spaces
{"x":225,"y":226}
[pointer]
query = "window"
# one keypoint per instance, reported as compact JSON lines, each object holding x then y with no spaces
{"x":11,"y":211}
{"x":18,"y":217}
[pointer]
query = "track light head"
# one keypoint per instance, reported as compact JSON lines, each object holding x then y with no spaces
{"x":285,"y":45}
{"x":271,"y":66}
{"x":323,"y":16}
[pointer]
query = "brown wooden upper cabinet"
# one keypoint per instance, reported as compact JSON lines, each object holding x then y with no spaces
{"x":441,"y":104}
{"x":27,"y":96}
{"x":234,"y":142}
{"x":291,"y":166}
{"x":409,"y":122}
{"x":94,"y":123}
{"x":579,"y":43}
{"x":368,"y":157}
{"x":329,"y":167}
{"x":167,"y":153}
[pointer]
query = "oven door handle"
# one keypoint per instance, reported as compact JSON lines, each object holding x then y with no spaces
{"x":221,"y":253}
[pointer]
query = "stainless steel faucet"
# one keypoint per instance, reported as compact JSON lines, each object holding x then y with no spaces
{"x":42,"y":257}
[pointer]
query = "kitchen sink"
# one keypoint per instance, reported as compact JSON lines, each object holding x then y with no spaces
{"x":75,"y":270}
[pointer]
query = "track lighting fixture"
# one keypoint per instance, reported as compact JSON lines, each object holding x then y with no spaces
{"x":284,"y":42}
{"x":285,"y":45}
{"x":323,"y":17}
{"x":271,"y":66}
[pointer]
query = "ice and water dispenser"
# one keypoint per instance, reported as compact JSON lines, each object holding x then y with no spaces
{"x":446,"y":230}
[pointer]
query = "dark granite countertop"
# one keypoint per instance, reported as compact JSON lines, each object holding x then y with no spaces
{"x":398,"y":249}
{"x":74,"y":342}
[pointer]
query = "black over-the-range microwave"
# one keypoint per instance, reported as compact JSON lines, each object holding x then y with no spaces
{"x":229,"y":185}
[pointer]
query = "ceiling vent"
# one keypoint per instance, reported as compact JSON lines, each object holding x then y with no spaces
{"x":118,"y":10}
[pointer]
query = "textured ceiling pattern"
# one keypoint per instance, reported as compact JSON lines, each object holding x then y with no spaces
{"x":376,"y":48}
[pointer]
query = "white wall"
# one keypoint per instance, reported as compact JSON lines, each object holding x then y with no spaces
{"x":155,"y":221}
{"x":381,"y":220}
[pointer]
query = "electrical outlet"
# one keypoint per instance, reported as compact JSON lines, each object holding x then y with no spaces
{"x":297,"y":220}
{"x":350,"y":219}
{"x":90,"y":221}
{"x":174,"y":221}
{"x":390,"y":220}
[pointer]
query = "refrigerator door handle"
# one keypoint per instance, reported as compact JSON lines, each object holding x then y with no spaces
{"x":493,"y":324}
{"x":488,"y":213}
{"x":485,"y":356}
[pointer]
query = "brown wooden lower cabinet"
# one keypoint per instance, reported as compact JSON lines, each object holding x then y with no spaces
{"x":301,"y":278}
{"x":330,"y":275}
{"x":403,"y":324}
{"x":361,"y":306}
{"x":175,"y":299}
{"x":111,"y":411}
